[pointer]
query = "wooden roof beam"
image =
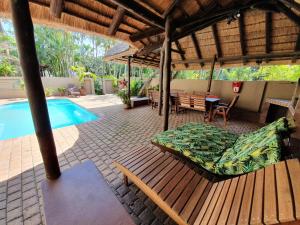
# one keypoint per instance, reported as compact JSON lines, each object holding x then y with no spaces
{"x":217,"y":41}
{"x":171,"y":8}
{"x":149,"y":32}
{"x":56,"y":8}
{"x":182,"y":55}
{"x":116,"y":21}
{"x":288,"y":12}
{"x":297,"y":48}
{"x":268,"y":31}
{"x":177,"y":51}
{"x":242,"y":34}
{"x":291,"y":4}
{"x":149,"y":48}
{"x":140,"y":11}
{"x":197,"y":47}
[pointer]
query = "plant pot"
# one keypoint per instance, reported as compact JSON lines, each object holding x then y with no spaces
{"x":127,"y":106}
{"x":82,"y":91}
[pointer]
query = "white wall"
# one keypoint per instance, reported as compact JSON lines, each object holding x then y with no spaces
{"x":10,"y":86}
{"x":252,"y":95}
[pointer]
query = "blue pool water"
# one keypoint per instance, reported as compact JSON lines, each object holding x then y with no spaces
{"x":16,"y":120}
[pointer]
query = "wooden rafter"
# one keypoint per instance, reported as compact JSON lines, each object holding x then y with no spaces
{"x":116,"y":21}
{"x":288,"y":12}
{"x":268,"y":30}
{"x":149,"y":32}
{"x":242,"y":34}
{"x":149,"y":5}
{"x":171,"y":8}
{"x":56,"y":8}
{"x":151,"y":47}
{"x":291,"y":4}
{"x":197,"y":47}
{"x":182,"y":55}
{"x":217,"y":41}
{"x":297,"y":47}
{"x":178,"y":51}
{"x":140,"y":11}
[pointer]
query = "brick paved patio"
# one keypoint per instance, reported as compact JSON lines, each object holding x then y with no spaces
{"x":118,"y":131}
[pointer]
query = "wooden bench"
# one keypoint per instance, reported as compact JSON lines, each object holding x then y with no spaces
{"x":81,"y":196}
{"x":267,"y":196}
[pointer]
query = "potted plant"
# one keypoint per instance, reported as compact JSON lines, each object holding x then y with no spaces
{"x":124,"y":98}
{"x":61,"y":91}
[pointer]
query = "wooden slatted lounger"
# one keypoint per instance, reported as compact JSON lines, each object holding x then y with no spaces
{"x":267,"y":196}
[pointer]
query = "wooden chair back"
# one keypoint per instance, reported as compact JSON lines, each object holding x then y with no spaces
{"x":199,"y":102}
{"x":184,"y":100}
{"x":155,"y":96}
{"x":232,"y":103}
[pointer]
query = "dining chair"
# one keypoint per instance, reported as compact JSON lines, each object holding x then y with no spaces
{"x":224,"y":109}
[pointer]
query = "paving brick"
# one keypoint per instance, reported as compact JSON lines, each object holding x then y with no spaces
{"x":14,"y":214}
{"x":146,"y":216}
{"x":2,"y":221}
{"x":14,"y":204}
{"x":138,"y":206}
{"x":2,"y":213}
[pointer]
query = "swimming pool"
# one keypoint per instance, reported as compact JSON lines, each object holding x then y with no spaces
{"x":16,"y":120}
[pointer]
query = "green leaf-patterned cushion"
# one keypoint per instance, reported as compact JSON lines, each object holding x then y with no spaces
{"x":202,"y":143}
{"x":251,"y":152}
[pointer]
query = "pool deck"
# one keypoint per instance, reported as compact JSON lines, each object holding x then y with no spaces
{"x":118,"y":131}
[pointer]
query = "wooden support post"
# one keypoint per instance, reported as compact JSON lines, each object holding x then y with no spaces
{"x":211,"y":73}
{"x":129,"y":75}
{"x":161,"y":77}
{"x":167,"y":72}
{"x":296,"y":94}
{"x":30,"y":67}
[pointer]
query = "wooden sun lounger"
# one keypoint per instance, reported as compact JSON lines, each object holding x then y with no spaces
{"x":267,"y":196}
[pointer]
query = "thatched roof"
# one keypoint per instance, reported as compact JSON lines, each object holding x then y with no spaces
{"x":238,"y":32}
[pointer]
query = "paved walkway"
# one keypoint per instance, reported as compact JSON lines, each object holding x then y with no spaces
{"x":117,"y":131}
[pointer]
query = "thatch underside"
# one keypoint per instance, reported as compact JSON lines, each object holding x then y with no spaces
{"x":266,"y":33}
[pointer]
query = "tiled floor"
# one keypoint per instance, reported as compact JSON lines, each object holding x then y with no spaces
{"x":117,"y":131}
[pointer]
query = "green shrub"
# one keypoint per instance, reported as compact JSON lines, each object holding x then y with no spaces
{"x":7,"y":69}
{"x":124,"y":96}
{"x":49,"y":92}
{"x":98,"y":87}
{"x":136,"y":86}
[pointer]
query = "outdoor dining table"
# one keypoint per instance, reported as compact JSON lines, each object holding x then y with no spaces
{"x":210,"y":100}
